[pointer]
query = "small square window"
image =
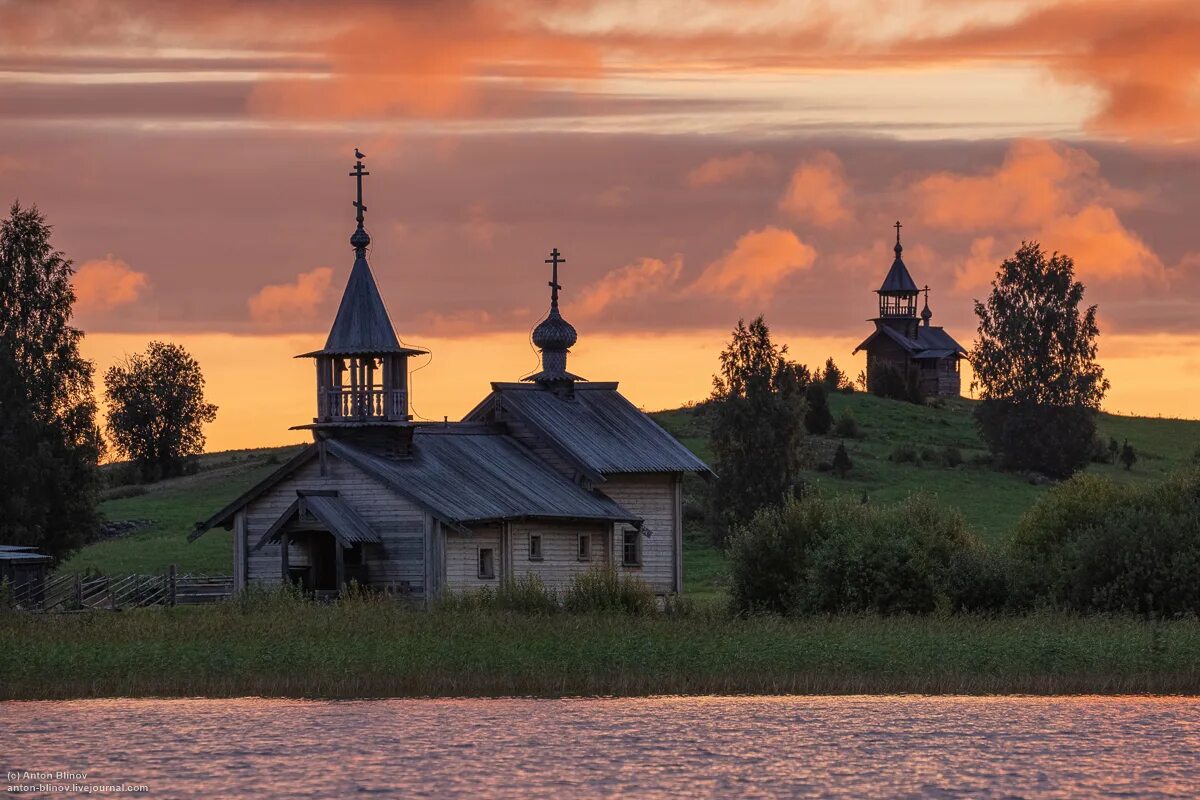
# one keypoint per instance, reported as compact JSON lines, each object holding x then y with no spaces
{"x":535,"y":547}
{"x":631,"y":548}
{"x":487,"y":563}
{"x":585,"y":547}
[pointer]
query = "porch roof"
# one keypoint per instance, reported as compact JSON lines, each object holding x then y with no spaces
{"x":341,"y":520}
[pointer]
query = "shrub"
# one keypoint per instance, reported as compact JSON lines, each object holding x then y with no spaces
{"x":833,"y":555}
{"x":1054,"y":440}
{"x":1094,"y":545}
{"x":602,"y":591}
{"x":951,"y":456}
{"x":818,"y":419}
{"x":1128,"y":456}
{"x":842,"y":464}
{"x":1103,"y":452}
{"x":847,"y":427}
{"x":904,"y":454}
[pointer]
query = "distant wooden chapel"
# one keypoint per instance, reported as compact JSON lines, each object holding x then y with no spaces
{"x":549,"y":476}
{"x":906,"y":343}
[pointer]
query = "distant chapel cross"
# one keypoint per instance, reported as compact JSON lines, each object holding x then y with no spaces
{"x":898,"y":227}
{"x":555,"y":259}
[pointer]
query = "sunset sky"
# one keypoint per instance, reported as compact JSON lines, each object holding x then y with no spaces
{"x":696,"y":162}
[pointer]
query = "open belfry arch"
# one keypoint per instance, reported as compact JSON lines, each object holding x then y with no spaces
{"x":550,"y":476}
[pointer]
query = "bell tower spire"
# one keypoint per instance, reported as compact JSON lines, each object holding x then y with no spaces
{"x":362,"y":372}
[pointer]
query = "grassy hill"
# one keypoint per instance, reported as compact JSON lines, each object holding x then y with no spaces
{"x":991,"y":501}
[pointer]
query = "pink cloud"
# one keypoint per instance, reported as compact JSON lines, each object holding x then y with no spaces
{"x":757,"y":264}
{"x":301,"y":298}
{"x":104,"y":284}
{"x":716,"y":171}
{"x":1042,"y":191}
{"x":818,"y":192}
{"x":643,"y":277}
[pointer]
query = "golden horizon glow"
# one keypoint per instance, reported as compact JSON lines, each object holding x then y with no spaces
{"x":261,"y":389}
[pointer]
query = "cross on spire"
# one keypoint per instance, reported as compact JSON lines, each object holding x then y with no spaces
{"x":898,"y":227}
{"x":555,"y":259}
{"x":358,"y":174}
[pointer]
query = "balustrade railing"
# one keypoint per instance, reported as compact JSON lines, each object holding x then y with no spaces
{"x":349,"y":403}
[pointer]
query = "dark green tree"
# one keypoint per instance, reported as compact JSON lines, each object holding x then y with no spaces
{"x":156,"y":409}
{"x":1035,"y":365}
{"x":818,"y":418}
{"x":833,"y":377}
{"x":756,"y":432}
{"x":49,"y":443}
{"x":1128,"y":456}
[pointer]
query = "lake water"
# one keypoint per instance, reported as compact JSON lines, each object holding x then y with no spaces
{"x":656,"y":747}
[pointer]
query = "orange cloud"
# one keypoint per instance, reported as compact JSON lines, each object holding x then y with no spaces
{"x":1142,"y":57}
{"x":757,"y":264}
{"x":104,"y":284}
{"x":642,"y":277}
{"x":817,"y":191}
{"x":1043,"y":191}
{"x":1102,"y":247}
{"x":301,"y":298}
{"x":426,"y":59}
{"x":716,"y":171}
{"x":1038,"y":179}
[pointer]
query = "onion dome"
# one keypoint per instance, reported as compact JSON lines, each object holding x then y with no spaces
{"x":554,"y":332}
{"x":554,"y":336}
{"x":360,"y":239}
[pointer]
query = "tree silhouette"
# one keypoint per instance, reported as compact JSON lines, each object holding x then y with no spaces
{"x":1035,"y":365}
{"x":756,"y":433}
{"x":49,"y":443}
{"x":156,"y":409}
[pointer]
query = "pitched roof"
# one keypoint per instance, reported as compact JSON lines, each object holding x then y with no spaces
{"x":362,"y":324}
{"x":467,"y":473}
{"x":461,"y":474}
{"x":898,"y":279}
{"x":345,"y":524}
{"x":932,"y":341}
{"x":596,"y":427}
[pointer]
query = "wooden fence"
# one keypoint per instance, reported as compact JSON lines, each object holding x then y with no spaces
{"x":81,"y":592}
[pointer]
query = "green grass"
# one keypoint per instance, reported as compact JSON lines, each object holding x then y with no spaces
{"x":991,"y":501}
{"x":175,"y":506}
{"x":365,"y":649}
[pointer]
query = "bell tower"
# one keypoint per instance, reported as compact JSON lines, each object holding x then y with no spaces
{"x":362,"y":371}
{"x":898,"y":295}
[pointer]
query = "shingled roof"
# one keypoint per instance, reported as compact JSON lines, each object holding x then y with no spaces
{"x":898,"y":281}
{"x":362,"y":324}
{"x":465,"y":473}
{"x":461,"y":473}
{"x":595,"y":426}
{"x":931,"y":341}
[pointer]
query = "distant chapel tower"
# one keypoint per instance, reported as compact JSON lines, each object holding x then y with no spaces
{"x":362,"y":372}
{"x":906,"y":343}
